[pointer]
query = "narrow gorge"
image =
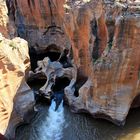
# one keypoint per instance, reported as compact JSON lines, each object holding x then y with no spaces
{"x":67,"y":66}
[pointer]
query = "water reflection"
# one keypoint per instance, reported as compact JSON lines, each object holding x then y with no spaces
{"x":83,"y":127}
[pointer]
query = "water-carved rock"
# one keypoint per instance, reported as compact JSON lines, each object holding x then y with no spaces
{"x":102,"y":38}
{"x":52,"y":70}
{"x":16,"y":98}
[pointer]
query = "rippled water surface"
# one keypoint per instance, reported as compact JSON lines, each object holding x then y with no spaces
{"x":64,"y":125}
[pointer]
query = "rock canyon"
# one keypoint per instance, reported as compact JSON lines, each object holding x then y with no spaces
{"x":93,"y":45}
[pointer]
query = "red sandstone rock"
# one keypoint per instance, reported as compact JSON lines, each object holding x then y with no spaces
{"x":113,"y":80}
{"x":104,"y":38}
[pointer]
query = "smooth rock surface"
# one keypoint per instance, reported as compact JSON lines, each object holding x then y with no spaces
{"x":103,"y":37}
{"x":3,"y":18}
{"x":16,"y":98}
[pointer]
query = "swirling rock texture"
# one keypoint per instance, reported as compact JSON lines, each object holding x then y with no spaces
{"x":102,"y":38}
{"x":16,"y":98}
{"x":102,"y":41}
{"x":3,"y":18}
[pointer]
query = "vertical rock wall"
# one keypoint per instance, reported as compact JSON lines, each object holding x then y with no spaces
{"x":16,"y":98}
{"x":104,"y":39}
{"x":3,"y":18}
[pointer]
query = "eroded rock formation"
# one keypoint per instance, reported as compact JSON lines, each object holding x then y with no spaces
{"x":102,"y":41}
{"x":3,"y":18}
{"x":102,"y":38}
{"x":113,"y":75}
{"x":16,"y":98}
{"x":53,"y":70}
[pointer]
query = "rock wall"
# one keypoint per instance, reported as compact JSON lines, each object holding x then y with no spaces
{"x":34,"y":22}
{"x":16,"y":98}
{"x":3,"y":18}
{"x":102,"y":38}
{"x":112,"y":73}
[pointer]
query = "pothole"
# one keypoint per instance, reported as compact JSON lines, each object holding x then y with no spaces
{"x":52,"y":51}
{"x":79,"y":83}
{"x":60,"y":84}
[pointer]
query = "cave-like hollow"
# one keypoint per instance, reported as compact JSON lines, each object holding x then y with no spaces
{"x":60,"y":84}
{"x":80,"y":81}
{"x":35,"y":84}
{"x":52,"y":51}
{"x":58,"y":89}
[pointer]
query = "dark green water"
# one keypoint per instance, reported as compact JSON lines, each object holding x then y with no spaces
{"x":80,"y":127}
{"x":64,"y":125}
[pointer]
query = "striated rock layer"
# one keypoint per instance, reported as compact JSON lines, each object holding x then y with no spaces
{"x":16,"y":98}
{"x":3,"y":18}
{"x":102,"y":39}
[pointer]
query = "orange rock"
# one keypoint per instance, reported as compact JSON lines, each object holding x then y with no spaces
{"x":104,"y":39}
{"x":16,"y":98}
{"x":113,"y":79}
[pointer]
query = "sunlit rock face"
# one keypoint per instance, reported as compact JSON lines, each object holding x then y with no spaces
{"x":112,"y":73}
{"x":3,"y":18}
{"x":16,"y":98}
{"x":103,"y":42}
